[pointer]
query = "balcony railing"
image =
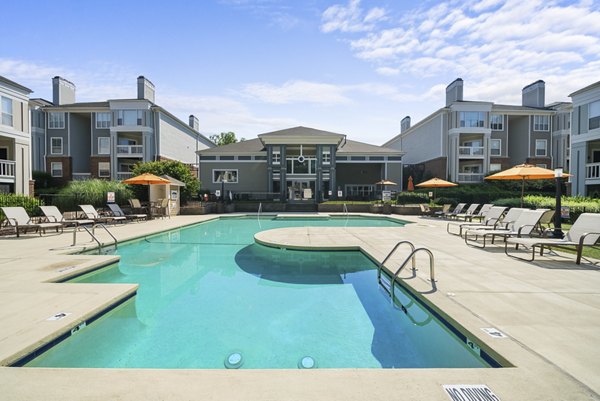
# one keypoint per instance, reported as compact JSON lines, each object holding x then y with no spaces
{"x":470,"y":150}
{"x":592,"y":170}
{"x":470,"y":177}
{"x":123,"y":175}
{"x":130,"y":150}
{"x":7,"y":169}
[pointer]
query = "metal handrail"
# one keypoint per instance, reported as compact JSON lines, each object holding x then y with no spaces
{"x":345,"y":209}
{"x":412,"y":247}
{"x":412,"y":256}
{"x":91,"y":233}
{"x":258,"y":213}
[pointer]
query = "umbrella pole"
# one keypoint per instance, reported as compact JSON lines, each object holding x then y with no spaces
{"x":522,"y":190}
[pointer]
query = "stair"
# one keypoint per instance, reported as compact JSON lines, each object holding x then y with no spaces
{"x":301,"y":207}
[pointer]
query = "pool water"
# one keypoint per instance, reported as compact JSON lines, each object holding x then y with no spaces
{"x":209,"y":297}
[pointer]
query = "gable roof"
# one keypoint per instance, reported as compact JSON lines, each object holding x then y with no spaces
{"x":20,"y":87}
{"x":365,"y":148}
{"x":243,"y":147}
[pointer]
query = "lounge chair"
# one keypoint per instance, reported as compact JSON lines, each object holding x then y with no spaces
{"x":445,"y":210}
{"x":136,"y":206}
{"x":425,"y":209}
{"x":91,"y":213}
{"x":480,"y":215}
{"x":117,"y":212}
{"x":584,"y":232}
{"x":545,"y":223}
{"x":457,"y":210}
{"x":468,"y":215}
{"x":161,"y":208}
{"x":53,"y":215}
{"x":490,"y":219}
{"x":504,"y":222}
{"x":18,"y":218}
{"x":524,"y":225}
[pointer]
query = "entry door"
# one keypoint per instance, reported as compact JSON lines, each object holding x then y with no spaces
{"x":299,"y":190}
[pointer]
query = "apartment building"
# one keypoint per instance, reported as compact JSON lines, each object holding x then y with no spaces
{"x":15,"y":138}
{"x":80,"y":140}
{"x":466,"y":140}
{"x":585,"y":141}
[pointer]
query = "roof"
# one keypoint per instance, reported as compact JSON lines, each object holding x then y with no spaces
{"x":299,"y":131}
{"x":174,"y":181}
{"x":362,"y":148}
{"x":247,"y":146}
{"x":587,"y":88}
{"x":14,"y":84}
{"x":81,"y":104}
{"x":510,"y":107}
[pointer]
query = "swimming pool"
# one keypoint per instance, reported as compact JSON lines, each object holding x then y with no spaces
{"x":209,"y":297}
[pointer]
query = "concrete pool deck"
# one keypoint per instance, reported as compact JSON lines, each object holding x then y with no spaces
{"x":549,"y":311}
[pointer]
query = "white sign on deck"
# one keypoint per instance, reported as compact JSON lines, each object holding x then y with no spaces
{"x":470,"y":392}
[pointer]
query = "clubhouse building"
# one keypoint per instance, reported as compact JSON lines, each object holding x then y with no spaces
{"x":302,"y":165}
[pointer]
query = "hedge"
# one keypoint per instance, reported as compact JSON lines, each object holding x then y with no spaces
{"x":92,"y":192}
{"x":30,"y":204}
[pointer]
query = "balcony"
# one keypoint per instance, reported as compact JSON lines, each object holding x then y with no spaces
{"x":470,"y":151}
{"x":592,"y":171}
{"x":7,"y":170}
{"x":470,"y":177}
{"x":130,"y":150}
{"x":123,"y":175}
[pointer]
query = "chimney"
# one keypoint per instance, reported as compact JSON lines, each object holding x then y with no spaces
{"x":63,"y":91}
{"x":534,"y":95}
{"x":405,"y":124}
{"x":454,"y":91}
{"x":145,"y":89}
{"x":194,"y":122}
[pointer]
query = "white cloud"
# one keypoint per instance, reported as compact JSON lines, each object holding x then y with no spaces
{"x":497,"y":46}
{"x":296,"y":92}
{"x":351,"y":18}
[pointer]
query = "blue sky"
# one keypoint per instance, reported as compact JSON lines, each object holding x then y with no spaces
{"x":350,"y":66}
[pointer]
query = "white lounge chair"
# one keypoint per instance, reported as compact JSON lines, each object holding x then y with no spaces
{"x":118,"y":212}
{"x":522,"y":226}
{"x":584,"y":232}
{"x":469,"y":214}
{"x":490,"y":219}
{"x":91,"y":213}
{"x":457,"y":210}
{"x":18,"y":218}
{"x":53,"y":215}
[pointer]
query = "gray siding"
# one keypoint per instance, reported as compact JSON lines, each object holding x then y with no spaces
{"x":58,"y":133}
{"x":422,"y":144}
{"x":518,"y":139}
{"x":80,"y":143}
{"x":252,"y":176}
{"x":97,"y":133}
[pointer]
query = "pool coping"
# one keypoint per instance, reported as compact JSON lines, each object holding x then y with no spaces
{"x":535,"y":377}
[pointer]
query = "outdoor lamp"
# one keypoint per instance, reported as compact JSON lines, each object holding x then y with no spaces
{"x":558,"y":172}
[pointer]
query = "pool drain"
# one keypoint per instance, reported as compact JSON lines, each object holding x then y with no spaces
{"x":234,"y":361}
{"x":307,"y":362}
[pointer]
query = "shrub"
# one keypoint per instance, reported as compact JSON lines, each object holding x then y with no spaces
{"x":175,"y":169}
{"x":30,"y":204}
{"x":577,"y":205}
{"x":404,"y":198}
{"x":91,"y":192}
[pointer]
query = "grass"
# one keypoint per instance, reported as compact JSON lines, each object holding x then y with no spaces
{"x":588,"y":251}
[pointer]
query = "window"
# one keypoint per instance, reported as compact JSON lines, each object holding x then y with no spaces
{"x":326,"y":157}
{"x":56,"y":146}
{"x":104,"y":145}
{"x":495,"y":147}
{"x":129,"y":117}
{"x":227,"y":176}
{"x":593,"y":122}
{"x":56,"y":169}
{"x":276,"y":157}
{"x":362,"y":191}
{"x":102,"y":120}
{"x":495,"y":167}
{"x":471,"y":118}
{"x":497,"y":122}
{"x":104,"y":169}
{"x":7,"y":111}
{"x":541,"y":147}
{"x":541,"y":123}
{"x":56,"y":120}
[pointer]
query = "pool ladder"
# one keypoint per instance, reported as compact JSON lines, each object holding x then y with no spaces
{"x":389,"y":288}
{"x":92,"y":234}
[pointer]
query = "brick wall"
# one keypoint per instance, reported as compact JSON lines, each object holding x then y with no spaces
{"x":66,"y":165}
{"x":94,"y":160}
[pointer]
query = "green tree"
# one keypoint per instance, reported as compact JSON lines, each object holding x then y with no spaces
{"x":175,"y":169}
{"x":224,"y":138}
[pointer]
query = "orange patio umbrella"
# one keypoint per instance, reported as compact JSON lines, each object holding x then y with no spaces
{"x":146,"y":179}
{"x":525,"y":172}
{"x":436,"y":183}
